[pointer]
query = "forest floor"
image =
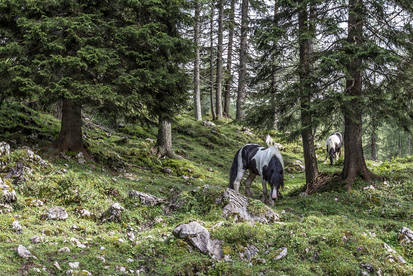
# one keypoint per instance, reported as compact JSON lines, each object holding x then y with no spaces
{"x":329,"y":233}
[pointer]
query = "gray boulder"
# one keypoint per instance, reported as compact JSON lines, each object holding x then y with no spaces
{"x":146,"y":199}
{"x":199,"y":237}
{"x":113,"y":213}
{"x":249,"y":252}
{"x":236,"y":205}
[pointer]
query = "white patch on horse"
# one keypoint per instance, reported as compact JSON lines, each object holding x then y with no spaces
{"x":332,"y":141}
{"x":263,"y":157}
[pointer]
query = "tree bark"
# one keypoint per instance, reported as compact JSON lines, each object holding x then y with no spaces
{"x":197,"y":92}
{"x":163,"y":145}
{"x":70,"y":136}
{"x":274,"y":74}
{"x":218,"y":96}
{"x":354,"y":163}
{"x":228,"y":81}
{"x":306,"y":34}
{"x":243,"y":61}
{"x":211,"y":62}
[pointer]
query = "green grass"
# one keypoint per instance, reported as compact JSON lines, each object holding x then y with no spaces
{"x":330,"y":233}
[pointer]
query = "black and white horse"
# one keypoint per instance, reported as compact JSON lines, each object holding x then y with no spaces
{"x":266,"y":162}
{"x":334,"y":143}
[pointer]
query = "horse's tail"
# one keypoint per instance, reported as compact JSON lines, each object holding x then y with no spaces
{"x":234,"y":169}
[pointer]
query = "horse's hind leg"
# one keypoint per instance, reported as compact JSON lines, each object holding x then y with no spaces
{"x":248,"y":182}
{"x":237,"y":181}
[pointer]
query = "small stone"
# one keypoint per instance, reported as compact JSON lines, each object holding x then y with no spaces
{"x":129,"y":260}
{"x":131,"y":236}
{"x":77,"y":243}
{"x":36,"y":239}
{"x":36,"y":269}
{"x":56,"y":264}
{"x":167,"y":170}
{"x":227,"y":258}
{"x":24,"y":253}
{"x":370,"y":187}
{"x":282,"y":252}
{"x":113,"y":213}
{"x":85,"y":213}
{"x":208,"y":124}
{"x":121,"y":268}
{"x":57,"y":213}
{"x":74,"y":265}
{"x":81,"y":158}
{"x":64,"y":250}
{"x":16,"y":226}
{"x":102,"y":258}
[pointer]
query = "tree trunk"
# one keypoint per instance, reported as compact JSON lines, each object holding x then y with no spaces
{"x":274,"y":73}
{"x":354,"y":163}
{"x":218,"y":96}
{"x":164,"y":139}
{"x":70,"y":136}
{"x":228,"y":81}
{"x":211,"y":63}
{"x":243,"y":61}
{"x":306,"y":34}
{"x":197,"y":92}
{"x":373,"y":143}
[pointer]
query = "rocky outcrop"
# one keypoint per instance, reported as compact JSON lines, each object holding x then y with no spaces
{"x":236,"y":205}
{"x":146,"y":199}
{"x":199,"y":237}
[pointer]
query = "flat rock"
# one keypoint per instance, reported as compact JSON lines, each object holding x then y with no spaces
{"x":237,"y":206}
{"x":146,"y":199}
{"x":57,"y":213}
{"x":199,"y":237}
{"x":113,"y":213}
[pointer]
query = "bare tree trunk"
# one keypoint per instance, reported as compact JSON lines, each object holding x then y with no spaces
{"x":354,"y":163}
{"x":373,"y":139}
{"x":163,"y":145}
{"x":243,"y":61}
{"x":218,"y":96}
{"x":197,"y":92}
{"x":228,"y":81}
{"x":306,"y":33}
{"x":211,"y":62}
{"x":70,"y":136}
{"x":274,"y":74}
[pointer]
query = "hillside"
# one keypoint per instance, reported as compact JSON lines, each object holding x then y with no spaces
{"x":331,"y":233}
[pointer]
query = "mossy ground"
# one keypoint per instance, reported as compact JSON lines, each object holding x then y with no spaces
{"x":331,"y":233}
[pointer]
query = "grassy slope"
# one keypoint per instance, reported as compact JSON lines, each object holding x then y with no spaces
{"x":329,"y":233}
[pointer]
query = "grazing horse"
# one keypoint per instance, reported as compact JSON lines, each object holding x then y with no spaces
{"x":266,"y":162}
{"x":334,"y":143}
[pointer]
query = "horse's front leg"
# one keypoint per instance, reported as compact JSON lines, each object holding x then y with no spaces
{"x":265,"y":197}
{"x":248,"y":182}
